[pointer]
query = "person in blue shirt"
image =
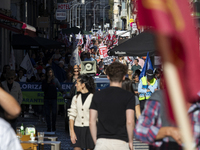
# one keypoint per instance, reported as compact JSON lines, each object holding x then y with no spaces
{"x":89,"y":58}
{"x":147,"y":85}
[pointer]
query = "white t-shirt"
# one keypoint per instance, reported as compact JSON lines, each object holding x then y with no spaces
{"x":8,"y":138}
{"x":23,"y":79}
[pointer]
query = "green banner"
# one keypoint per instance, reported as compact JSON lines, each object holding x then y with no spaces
{"x":37,"y":98}
{"x":33,"y":94}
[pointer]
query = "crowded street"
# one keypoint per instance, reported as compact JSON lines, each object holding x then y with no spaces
{"x":99,"y":75}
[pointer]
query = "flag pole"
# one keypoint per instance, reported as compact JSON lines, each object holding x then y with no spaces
{"x":176,"y":95}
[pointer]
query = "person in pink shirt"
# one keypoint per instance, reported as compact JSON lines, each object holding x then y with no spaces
{"x":140,"y":62}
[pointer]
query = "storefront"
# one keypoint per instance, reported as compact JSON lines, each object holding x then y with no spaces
{"x":9,"y":26}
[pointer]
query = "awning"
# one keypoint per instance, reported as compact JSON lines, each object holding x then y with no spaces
{"x":16,"y":30}
{"x":48,"y":44}
{"x":73,"y":30}
{"x":20,"y":41}
{"x":139,"y":45}
{"x":24,"y":25}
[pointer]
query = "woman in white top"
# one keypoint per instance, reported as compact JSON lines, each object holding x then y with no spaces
{"x":79,"y":114}
{"x":20,"y":76}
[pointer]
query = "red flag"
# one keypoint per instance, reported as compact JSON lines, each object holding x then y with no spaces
{"x":172,"y":18}
{"x":177,"y":41}
{"x":80,"y":42}
{"x":115,"y":41}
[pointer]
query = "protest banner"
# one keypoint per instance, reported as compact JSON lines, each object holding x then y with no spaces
{"x":103,"y":51}
{"x":33,"y":94}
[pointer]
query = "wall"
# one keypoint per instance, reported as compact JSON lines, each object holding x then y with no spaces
{"x":5,"y":4}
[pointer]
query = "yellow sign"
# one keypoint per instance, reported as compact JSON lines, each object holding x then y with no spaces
{"x":131,"y":20}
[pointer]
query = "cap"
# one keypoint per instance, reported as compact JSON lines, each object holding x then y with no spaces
{"x":149,"y":74}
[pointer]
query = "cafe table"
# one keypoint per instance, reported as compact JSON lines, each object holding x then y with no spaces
{"x":55,"y":144}
{"x":50,"y":138}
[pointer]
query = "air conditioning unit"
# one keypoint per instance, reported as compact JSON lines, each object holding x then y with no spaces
{"x":124,"y":13}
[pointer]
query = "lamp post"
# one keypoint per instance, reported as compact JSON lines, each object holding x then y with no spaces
{"x":104,"y":15}
{"x":70,"y":15}
{"x":79,"y":5}
{"x":94,"y":13}
{"x":85,"y":12}
{"x":79,"y":16}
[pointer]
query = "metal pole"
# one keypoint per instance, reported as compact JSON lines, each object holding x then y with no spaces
{"x":70,"y":17}
{"x":72,"y":7}
{"x":85,"y":12}
{"x":103,"y":20}
{"x":79,"y":22}
{"x":104,"y":15}
{"x":94,"y":17}
{"x":94,"y":13}
{"x":76,"y":16}
{"x":79,"y":16}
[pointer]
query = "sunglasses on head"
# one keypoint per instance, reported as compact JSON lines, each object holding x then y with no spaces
{"x":10,"y":78}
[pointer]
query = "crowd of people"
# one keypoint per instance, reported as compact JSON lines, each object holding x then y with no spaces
{"x":132,"y":106}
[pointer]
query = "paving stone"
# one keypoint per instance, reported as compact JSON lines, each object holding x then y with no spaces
{"x":62,"y":135}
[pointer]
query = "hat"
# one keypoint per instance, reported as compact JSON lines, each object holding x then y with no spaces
{"x":149,"y":74}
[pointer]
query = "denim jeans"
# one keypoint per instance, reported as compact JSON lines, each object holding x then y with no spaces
{"x":50,"y":105}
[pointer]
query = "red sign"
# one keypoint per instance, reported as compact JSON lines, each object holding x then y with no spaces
{"x":63,"y":6}
{"x":103,"y":51}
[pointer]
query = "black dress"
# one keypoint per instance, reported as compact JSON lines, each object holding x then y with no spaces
{"x":84,"y":138}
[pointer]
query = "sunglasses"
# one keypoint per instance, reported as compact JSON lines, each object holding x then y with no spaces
{"x":10,"y":78}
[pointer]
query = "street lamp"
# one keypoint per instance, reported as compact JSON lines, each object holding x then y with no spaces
{"x":104,"y":15}
{"x":79,"y":16}
{"x":94,"y":12}
{"x":79,"y":5}
{"x":70,"y":14}
{"x":85,"y":12}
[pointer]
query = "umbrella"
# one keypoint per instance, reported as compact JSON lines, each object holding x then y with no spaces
{"x":139,"y":45}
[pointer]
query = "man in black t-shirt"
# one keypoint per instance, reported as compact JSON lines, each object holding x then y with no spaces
{"x":114,"y":108}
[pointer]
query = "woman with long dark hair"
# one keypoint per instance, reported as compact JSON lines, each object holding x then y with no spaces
{"x":49,"y":86}
{"x":79,"y":114}
{"x":127,"y":85}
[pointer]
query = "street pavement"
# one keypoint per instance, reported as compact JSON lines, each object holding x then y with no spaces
{"x":61,"y":133}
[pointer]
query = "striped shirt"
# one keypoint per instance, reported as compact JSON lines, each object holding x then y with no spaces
{"x":149,"y":123}
{"x":8,"y":138}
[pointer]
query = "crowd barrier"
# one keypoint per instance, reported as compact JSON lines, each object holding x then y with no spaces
{"x":33,"y":94}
